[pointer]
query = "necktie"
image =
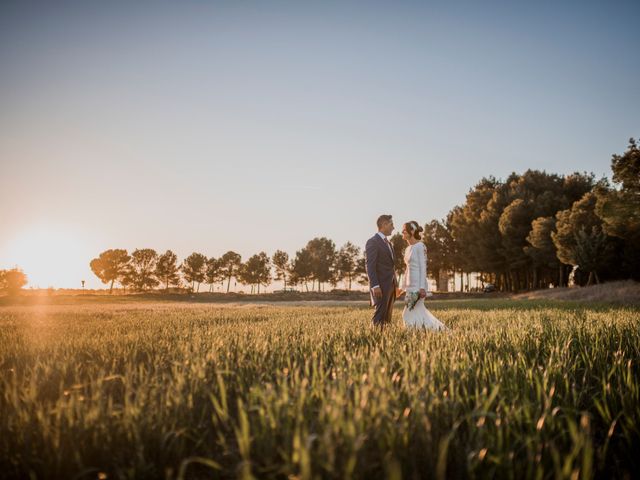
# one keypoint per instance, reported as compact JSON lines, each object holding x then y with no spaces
{"x":389,"y":245}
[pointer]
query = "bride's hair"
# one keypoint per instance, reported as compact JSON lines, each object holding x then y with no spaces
{"x":414,"y":229}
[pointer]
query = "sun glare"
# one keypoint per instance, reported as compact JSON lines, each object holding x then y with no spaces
{"x":50,"y":256}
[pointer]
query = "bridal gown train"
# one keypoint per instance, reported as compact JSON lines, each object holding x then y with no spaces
{"x":415,"y":278}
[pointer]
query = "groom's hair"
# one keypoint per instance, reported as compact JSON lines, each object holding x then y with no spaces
{"x":382,"y":219}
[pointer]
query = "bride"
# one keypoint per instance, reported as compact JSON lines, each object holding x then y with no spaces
{"x":415,"y":314}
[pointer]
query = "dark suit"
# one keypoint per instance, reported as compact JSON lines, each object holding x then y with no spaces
{"x":381,"y":272}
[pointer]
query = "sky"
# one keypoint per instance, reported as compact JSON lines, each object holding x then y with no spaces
{"x":211,"y":126}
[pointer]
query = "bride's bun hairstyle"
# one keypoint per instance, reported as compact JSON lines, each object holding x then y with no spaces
{"x":413,"y":228}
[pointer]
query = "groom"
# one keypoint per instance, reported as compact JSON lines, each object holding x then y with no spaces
{"x":380,"y":270}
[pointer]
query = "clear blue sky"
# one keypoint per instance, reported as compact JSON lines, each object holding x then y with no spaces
{"x":209,"y":126}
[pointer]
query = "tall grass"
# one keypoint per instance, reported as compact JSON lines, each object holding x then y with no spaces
{"x":200,"y":391}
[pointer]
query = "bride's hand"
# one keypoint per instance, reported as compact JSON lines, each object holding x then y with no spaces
{"x":399,"y":292}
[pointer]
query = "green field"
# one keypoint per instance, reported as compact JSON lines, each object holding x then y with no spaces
{"x":167,"y":390}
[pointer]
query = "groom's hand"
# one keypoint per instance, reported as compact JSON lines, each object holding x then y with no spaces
{"x":377,"y":292}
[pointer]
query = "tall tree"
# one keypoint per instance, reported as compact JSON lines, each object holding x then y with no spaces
{"x":542,"y":252}
{"x":264,"y":273}
{"x":193,"y":269}
{"x":490,"y":230}
{"x":110,"y":266}
{"x":230,"y":263}
{"x":574,"y":187}
{"x":12,"y":281}
{"x":619,"y":208}
{"x":514,"y":225}
{"x":322,"y":251}
{"x":302,"y":268}
{"x":593,"y":252}
{"x":626,"y":168}
{"x":213,"y":272}
{"x":454,"y":243}
{"x":579,"y":233}
{"x":399,"y":246}
{"x":244,"y":275}
{"x":346,"y":263}
{"x":474,"y":227}
{"x":143,"y":267}
{"x":167,"y":270}
{"x":127,"y":278}
{"x":263,"y":270}
{"x":280,"y":262}
{"x":440,"y":255}
{"x":256,"y":271}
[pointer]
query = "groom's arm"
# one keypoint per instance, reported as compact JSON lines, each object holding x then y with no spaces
{"x":371,"y":252}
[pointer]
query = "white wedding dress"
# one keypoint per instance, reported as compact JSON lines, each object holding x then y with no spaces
{"x":415,"y":278}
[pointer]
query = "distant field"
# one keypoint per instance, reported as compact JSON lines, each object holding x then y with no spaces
{"x":516,"y":389}
{"x":622,"y":292}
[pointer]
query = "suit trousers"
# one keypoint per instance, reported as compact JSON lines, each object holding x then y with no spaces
{"x":384,"y":307}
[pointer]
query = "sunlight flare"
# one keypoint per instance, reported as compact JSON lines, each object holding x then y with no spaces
{"x":49,"y":255}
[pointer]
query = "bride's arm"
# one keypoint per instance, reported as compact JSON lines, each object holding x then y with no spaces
{"x":423,"y":268}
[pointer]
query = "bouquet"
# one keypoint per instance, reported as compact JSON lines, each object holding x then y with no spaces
{"x":412,"y":299}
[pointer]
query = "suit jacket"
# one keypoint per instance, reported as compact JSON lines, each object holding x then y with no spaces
{"x":380,"y":264}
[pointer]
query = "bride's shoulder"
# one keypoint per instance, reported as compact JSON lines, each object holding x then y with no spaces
{"x":419,"y":247}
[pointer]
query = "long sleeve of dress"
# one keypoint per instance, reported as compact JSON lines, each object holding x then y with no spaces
{"x":423,"y":266}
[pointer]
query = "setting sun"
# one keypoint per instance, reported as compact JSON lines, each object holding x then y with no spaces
{"x":50,"y":256}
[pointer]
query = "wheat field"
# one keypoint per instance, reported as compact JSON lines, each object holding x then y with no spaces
{"x":167,"y":390}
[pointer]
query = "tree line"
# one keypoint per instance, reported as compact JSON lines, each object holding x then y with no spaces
{"x":537,"y":229}
{"x":528,"y":231}
{"x":317,"y":264}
